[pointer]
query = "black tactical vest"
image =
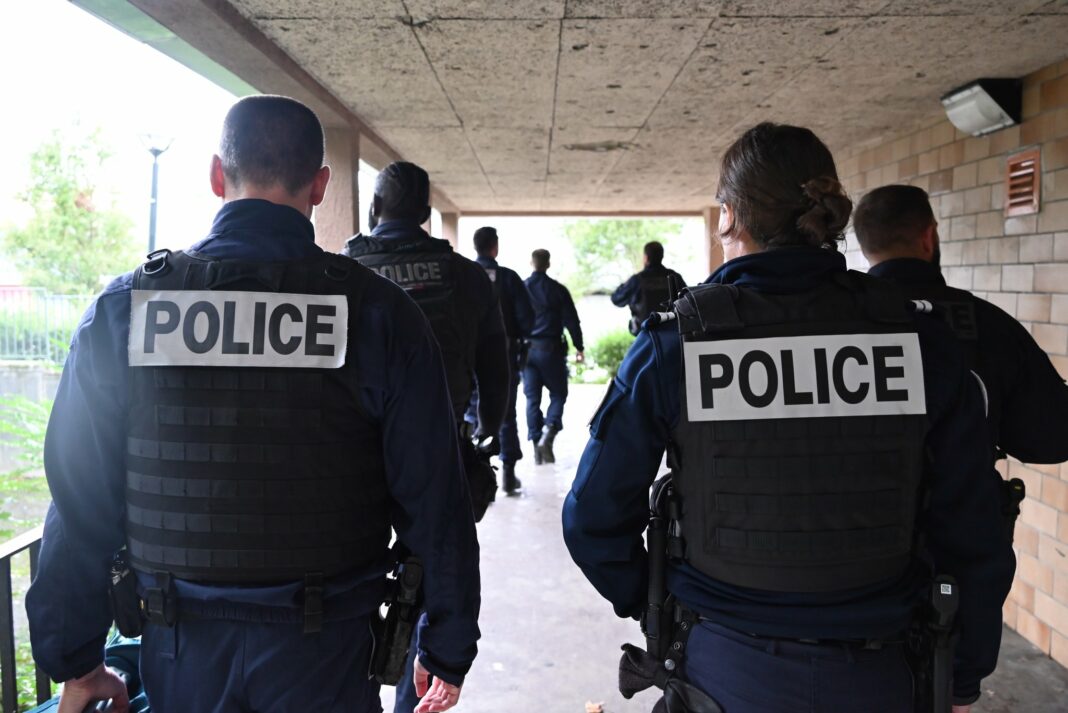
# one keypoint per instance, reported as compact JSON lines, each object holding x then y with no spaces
{"x":653,"y":294}
{"x":251,"y":475}
{"x":426,"y":269}
{"x":821,"y":494}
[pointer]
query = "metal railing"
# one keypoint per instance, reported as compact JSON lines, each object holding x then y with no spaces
{"x":9,"y":692}
{"x":36,"y":325}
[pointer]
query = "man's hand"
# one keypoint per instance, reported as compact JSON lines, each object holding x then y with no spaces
{"x":436,"y":696}
{"x":580,"y":357}
{"x":100,"y":684}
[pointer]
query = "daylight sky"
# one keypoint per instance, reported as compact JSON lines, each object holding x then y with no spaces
{"x":65,"y":69}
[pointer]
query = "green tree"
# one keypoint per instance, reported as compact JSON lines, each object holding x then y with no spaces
{"x":76,"y":238}
{"x":607,"y":252}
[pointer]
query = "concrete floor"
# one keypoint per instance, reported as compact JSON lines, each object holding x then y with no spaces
{"x":550,"y":643}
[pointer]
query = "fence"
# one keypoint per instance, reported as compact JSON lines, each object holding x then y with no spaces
{"x":8,"y":679}
{"x":36,"y":325}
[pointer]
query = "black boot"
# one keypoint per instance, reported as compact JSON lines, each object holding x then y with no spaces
{"x":509,"y":482}
{"x":545,"y":445}
{"x":537,"y":454}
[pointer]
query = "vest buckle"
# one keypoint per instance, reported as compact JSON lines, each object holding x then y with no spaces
{"x":313,"y":603}
{"x":156,"y":262}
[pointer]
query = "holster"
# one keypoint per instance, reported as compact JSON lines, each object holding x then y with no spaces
{"x":122,"y":594}
{"x":481,"y":478}
{"x":393,"y":635}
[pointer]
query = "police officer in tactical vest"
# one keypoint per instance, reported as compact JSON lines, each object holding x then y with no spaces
{"x":546,"y":366}
{"x":826,"y":447}
{"x":237,"y":418}
{"x":464,"y":313}
{"x":518,"y":321}
{"x":649,"y":290}
{"x":1027,"y":398}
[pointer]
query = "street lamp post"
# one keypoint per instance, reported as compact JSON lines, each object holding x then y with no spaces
{"x":156,"y":145}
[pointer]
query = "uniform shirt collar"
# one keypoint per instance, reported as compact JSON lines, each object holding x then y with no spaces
{"x":392,"y":229}
{"x":486,"y":261}
{"x":251,"y":228}
{"x":909,"y":271}
{"x":783,"y":271}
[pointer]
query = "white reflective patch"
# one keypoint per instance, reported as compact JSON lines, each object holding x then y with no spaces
{"x":253,"y":329}
{"x":804,"y":377}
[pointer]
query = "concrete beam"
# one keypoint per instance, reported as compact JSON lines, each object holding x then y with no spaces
{"x":338,"y":218}
{"x":450,"y":228}
{"x":713,"y":250}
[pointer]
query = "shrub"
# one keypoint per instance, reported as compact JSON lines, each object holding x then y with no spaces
{"x":608,"y":350}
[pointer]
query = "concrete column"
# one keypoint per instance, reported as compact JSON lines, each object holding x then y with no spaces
{"x":450,"y":228}
{"x":713,"y":251}
{"x":338,"y":217}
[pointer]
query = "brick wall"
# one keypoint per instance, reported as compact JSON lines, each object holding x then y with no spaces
{"x":1019,"y":264}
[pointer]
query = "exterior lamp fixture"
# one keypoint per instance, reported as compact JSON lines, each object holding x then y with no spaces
{"x":156,"y":145}
{"x":984,"y":105}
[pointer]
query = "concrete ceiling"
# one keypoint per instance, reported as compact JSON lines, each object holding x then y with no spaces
{"x":626,"y":105}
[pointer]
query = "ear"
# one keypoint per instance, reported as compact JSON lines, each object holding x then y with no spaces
{"x":726,"y":221}
{"x":318,"y":186}
{"x":217,"y":177}
{"x":376,"y":206}
{"x":929,"y":241}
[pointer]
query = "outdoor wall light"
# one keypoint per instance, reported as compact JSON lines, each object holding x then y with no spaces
{"x":984,"y":105}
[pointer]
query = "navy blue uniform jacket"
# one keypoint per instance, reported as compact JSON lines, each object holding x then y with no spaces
{"x":402,"y":386}
{"x":1028,"y":413}
{"x":515,"y":302}
{"x":606,"y":511}
{"x":553,"y":310}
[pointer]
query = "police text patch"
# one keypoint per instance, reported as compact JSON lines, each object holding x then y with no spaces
{"x":804,"y":377}
{"x":254,"y":329}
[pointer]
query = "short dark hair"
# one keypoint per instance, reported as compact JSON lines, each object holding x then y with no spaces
{"x":485,"y":240}
{"x":540,"y":258}
{"x":270,"y":140}
{"x":404,"y":191}
{"x":655,"y":252}
{"x":892,"y":216}
{"x":783,"y":187}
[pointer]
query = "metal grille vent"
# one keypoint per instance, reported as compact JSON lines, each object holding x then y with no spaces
{"x":1022,"y":181}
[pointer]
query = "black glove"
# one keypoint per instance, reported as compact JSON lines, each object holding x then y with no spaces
{"x":487,"y":446}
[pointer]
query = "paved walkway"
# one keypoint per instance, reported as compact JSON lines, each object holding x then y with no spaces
{"x":550,"y":642}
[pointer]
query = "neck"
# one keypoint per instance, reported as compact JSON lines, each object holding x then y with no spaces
{"x":876,"y":258}
{"x":276,"y":195}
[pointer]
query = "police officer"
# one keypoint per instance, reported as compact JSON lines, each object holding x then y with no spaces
{"x":1028,"y":399}
{"x":239,"y":416}
{"x":518,"y":321}
{"x":547,"y":360}
{"x":647,"y":291}
{"x":804,"y":409}
{"x":464,"y":313}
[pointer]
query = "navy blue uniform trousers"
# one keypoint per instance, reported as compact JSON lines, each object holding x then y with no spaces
{"x":511,"y":452}
{"x":546,"y":368}
{"x":745,"y":674}
{"x":253,"y":667}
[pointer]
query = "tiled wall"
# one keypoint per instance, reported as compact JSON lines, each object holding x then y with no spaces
{"x":1019,"y":264}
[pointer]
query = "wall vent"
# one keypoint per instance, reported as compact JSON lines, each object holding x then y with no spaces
{"x":1022,"y":181}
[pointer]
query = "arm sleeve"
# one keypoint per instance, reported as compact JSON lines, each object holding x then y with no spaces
{"x":524,"y":310}
{"x":571,"y":319}
{"x":491,"y":357}
{"x":963,"y":523}
{"x":681,"y":281}
{"x":432,"y":512}
{"x":1034,"y":416}
{"x":606,"y":512}
{"x":85,"y":447}
{"x":621,"y":297}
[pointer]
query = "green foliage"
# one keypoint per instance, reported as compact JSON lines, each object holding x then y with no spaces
{"x":23,"y":422}
{"x":607,"y":252}
{"x":40,"y":328}
{"x":75,"y":238}
{"x":608,"y":350}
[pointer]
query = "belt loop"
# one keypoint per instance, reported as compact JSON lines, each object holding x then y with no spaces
{"x":313,"y":603}
{"x":160,"y":605}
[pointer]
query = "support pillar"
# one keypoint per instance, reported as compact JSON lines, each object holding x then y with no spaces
{"x":713,"y":250}
{"x":450,"y":229}
{"x":338,"y":217}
